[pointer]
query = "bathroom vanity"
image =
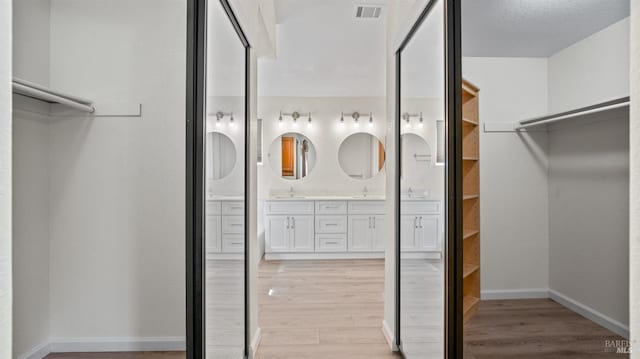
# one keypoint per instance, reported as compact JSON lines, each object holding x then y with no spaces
{"x":224,"y":228}
{"x":346,"y":228}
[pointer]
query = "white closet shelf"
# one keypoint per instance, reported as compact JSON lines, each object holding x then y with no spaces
{"x":45,"y":101}
{"x":588,"y":110}
{"x":45,"y":94}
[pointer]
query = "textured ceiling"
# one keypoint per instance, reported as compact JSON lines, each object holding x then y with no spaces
{"x":533,"y":28}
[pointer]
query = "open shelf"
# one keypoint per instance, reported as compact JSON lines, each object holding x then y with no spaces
{"x":466,"y":233}
{"x":470,"y":197}
{"x":470,"y":306}
{"x":576,"y":113}
{"x":42,"y":93}
{"x":469,"y":269}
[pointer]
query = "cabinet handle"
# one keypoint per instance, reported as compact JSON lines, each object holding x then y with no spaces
{"x":369,"y":222}
{"x":331,"y":242}
{"x":293,"y":222}
{"x":236,"y":224}
{"x":374,"y":222}
{"x":331,"y":224}
{"x":421,"y":222}
{"x":415,"y":222}
{"x":288,"y":225}
{"x":236,"y":207}
{"x":236,"y":243}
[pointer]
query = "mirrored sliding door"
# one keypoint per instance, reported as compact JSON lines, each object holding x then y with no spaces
{"x":224,"y":185}
{"x":216,"y":163}
{"x":422,"y":218}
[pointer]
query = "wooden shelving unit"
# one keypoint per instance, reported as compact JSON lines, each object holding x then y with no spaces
{"x":471,"y":199}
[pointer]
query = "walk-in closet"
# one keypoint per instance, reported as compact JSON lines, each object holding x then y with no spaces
{"x":553,"y":107}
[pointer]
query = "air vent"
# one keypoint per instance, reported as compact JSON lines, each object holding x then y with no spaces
{"x":368,"y":11}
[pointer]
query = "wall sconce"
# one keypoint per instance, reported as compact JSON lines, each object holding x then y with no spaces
{"x":407,"y":118}
{"x":356,"y":116}
{"x":295,"y":115}
{"x":220,"y":115}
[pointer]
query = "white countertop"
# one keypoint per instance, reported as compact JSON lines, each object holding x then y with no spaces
{"x":215,"y":197}
{"x":301,"y":197}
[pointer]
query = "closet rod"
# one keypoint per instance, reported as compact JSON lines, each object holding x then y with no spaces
{"x":601,"y":107}
{"x":42,"y":93}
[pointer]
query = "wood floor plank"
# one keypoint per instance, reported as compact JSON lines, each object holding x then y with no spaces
{"x":334,"y":309}
{"x":534,"y":328}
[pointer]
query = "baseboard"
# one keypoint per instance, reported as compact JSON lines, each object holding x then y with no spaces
{"x":37,"y":352}
{"x":388,"y":335}
{"x":514,"y":294}
{"x":73,"y":345}
{"x":590,"y":314}
{"x":255,"y":343}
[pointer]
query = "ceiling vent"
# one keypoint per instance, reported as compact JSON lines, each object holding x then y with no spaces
{"x":368,"y":11}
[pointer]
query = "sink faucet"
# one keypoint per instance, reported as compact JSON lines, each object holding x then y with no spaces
{"x":364,"y":191}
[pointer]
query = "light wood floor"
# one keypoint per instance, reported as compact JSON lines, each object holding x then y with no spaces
{"x":422,"y":308}
{"x":534,"y":328}
{"x":322,"y":309}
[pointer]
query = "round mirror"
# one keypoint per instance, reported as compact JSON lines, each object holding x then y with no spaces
{"x":416,"y":155}
{"x":292,"y":156}
{"x":361,"y":156}
{"x":221,"y":155}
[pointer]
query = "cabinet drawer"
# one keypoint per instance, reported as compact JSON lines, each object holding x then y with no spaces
{"x":331,"y":242}
{"x":233,"y":208}
{"x":233,"y":243}
{"x":331,"y":207}
{"x":367,"y":207}
{"x":233,"y":224}
{"x":331,"y":224}
{"x":289,"y":207}
{"x":420,"y":207}
{"x":212,"y":208}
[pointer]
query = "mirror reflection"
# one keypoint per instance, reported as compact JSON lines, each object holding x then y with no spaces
{"x":416,"y":159}
{"x":221,"y":155}
{"x":361,"y":156}
{"x":422,"y":216}
{"x":292,"y":156}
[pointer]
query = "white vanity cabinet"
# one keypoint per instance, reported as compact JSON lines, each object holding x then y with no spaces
{"x":224,"y":228}
{"x":421,"y":227}
{"x":289,"y":227}
{"x":305,"y":229}
{"x":366,"y":226}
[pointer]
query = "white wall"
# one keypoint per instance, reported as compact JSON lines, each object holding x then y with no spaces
{"x":31,"y":182}
{"x":31,"y":43}
{"x":588,"y":175}
{"x":30,"y":232}
{"x":513,"y":175}
{"x":589,"y":214}
{"x":117,"y":184}
{"x":592,"y":70}
{"x":5,"y":182}
{"x":634,"y":265}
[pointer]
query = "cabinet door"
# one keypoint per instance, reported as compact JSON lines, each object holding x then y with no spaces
{"x":277,"y":233}
{"x":302,"y":234}
{"x":378,"y":233}
{"x":427,"y":233}
{"x":213,"y":234}
{"x":408,"y":224}
{"x":359,"y":233}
